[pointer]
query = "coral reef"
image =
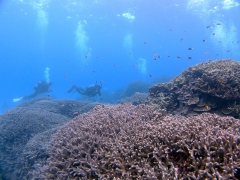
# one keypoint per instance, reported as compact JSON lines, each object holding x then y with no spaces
{"x":137,"y":86}
{"x":111,"y":97}
{"x":26,"y":131}
{"x":17,"y":127}
{"x":135,"y":99}
{"x":136,"y":142}
{"x":66,"y":107}
{"x":213,"y":87}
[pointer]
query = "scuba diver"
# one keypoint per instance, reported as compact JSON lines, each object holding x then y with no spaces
{"x":39,"y":88}
{"x":91,"y":91}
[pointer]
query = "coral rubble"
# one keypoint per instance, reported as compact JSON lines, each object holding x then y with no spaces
{"x":137,"y":142}
{"x":213,"y":87}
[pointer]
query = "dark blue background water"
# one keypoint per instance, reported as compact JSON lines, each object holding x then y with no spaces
{"x":113,"y":41}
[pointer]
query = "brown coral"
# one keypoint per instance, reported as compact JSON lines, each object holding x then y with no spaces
{"x":136,"y":142}
{"x":217,"y":78}
{"x":216,"y":84}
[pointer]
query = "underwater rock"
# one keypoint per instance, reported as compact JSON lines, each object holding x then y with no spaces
{"x":214,"y":84}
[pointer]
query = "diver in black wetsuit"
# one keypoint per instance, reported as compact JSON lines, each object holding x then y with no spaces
{"x":41,"y":87}
{"x":91,"y":91}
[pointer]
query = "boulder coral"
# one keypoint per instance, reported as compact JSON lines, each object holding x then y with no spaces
{"x":136,"y":99}
{"x":25,"y":133}
{"x":138,"y":142}
{"x":213,"y":87}
{"x":17,"y":127}
{"x":136,"y":86}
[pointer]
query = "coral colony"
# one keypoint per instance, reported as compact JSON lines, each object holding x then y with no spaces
{"x":207,"y":87}
{"x":136,"y":142}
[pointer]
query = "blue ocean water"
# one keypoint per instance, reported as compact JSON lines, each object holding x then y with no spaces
{"x":115,"y":42}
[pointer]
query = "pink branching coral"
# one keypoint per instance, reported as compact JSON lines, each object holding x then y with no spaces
{"x":136,"y":142}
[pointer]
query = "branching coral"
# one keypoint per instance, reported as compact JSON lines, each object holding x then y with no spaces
{"x":215,"y":84}
{"x":136,"y":142}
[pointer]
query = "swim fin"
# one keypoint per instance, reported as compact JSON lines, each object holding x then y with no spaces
{"x":17,"y":99}
{"x":71,"y":89}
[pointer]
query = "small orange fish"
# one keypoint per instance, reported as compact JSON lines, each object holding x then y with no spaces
{"x":206,"y":53}
{"x":62,"y":105}
{"x":75,"y":113}
{"x":207,"y":107}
